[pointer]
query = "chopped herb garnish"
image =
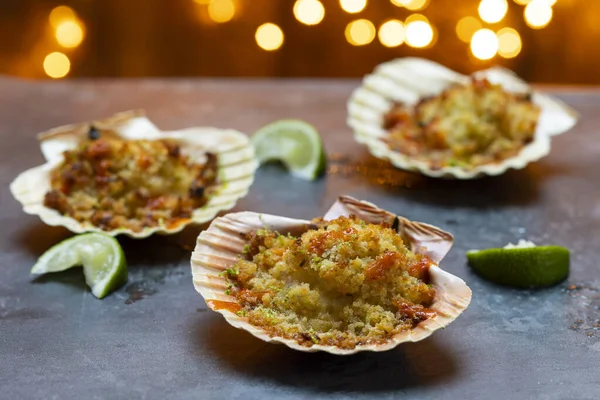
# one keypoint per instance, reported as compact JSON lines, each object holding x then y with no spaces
{"x":231,"y":272}
{"x":313,"y":336}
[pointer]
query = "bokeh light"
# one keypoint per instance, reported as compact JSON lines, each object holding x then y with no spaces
{"x":269,"y":36}
{"x":203,"y":2}
{"x":419,"y":32}
{"x":391,"y":33}
{"x":466,"y":27}
{"x":412,"y":5}
{"x":492,"y":11}
{"x":509,"y":43}
{"x":353,"y":6}
{"x":415,"y":5}
{"x":309,"y":12}
{"x":61,"y":14}
{"x":221,"y":11}
{"x":56,"y":65}
{"x":360,"y":32}
{"x":69,"y":34}
{"x":415,"y":17}
{"x":538,"y":14}
{"x":525,"y":2}
{"x":484,"y":44}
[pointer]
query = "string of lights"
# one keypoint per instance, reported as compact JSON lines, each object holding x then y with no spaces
{"x":485,"y":42}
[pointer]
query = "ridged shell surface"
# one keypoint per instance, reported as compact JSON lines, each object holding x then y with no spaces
{"x":221,"y":245}
{"x":407,"y":80}
{"x":236,"y":168}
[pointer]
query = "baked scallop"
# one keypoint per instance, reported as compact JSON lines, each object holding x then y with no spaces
{"x":426,"y":118}
{"x":358,"y":279}
{"x":122,"y":175}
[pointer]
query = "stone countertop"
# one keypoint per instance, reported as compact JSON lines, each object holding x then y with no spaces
{"x":155,"y":338}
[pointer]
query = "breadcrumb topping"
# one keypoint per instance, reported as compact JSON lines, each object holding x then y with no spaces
{"x":464,"y":126}
{"x":114,"y":183}
{"x":344,"y":284}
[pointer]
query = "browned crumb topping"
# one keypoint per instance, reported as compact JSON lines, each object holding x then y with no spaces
{"x":464,"y":126}
{"x":133,"y":184}
{"x":344,"y":284}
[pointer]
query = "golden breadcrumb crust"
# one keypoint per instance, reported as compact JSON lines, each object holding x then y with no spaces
{"x":466,"y":125}
{"x":133,"y":184}
{"x":344,"y":284}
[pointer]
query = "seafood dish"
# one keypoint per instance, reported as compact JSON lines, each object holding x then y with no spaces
{"x":426,"y":118}
{"x":122,"y":175}
{"x":359,"y":278}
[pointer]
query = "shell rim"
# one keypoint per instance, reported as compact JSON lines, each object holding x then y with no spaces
{"x":200,"y":215}
{"x":539,"y":147}
{"x":392,"y":342}
{"x":419,"y":332}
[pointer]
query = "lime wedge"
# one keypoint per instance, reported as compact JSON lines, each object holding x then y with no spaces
{"x":295,"y":143}
{"x":101,"y":256}
{"x":524,"y":265}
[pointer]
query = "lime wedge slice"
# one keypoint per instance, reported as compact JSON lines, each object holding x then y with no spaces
{"x":295,"y":143}
{"x":524,"y":265}
{"x":101,"y":256}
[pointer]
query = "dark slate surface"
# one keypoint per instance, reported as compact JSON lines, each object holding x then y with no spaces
{"x":155,"y":338}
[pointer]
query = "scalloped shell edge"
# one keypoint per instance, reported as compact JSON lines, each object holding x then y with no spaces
{"x":409,"y":79}
{"x":219,"y":247}
{"x":237,"y":166}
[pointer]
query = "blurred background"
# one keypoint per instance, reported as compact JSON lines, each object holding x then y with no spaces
{"x":551,"y":41}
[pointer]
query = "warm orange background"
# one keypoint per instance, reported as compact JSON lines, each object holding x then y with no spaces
{"x":126,"y":38}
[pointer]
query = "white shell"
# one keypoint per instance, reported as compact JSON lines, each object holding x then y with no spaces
{"x":235,"y":175}
{"x":409,"y":79}
{"x":219,"y":247}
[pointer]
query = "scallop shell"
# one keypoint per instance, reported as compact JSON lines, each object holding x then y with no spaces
{"x":409,"y":79}
{"x":235,"y":174}
{"x":219,"y":247}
